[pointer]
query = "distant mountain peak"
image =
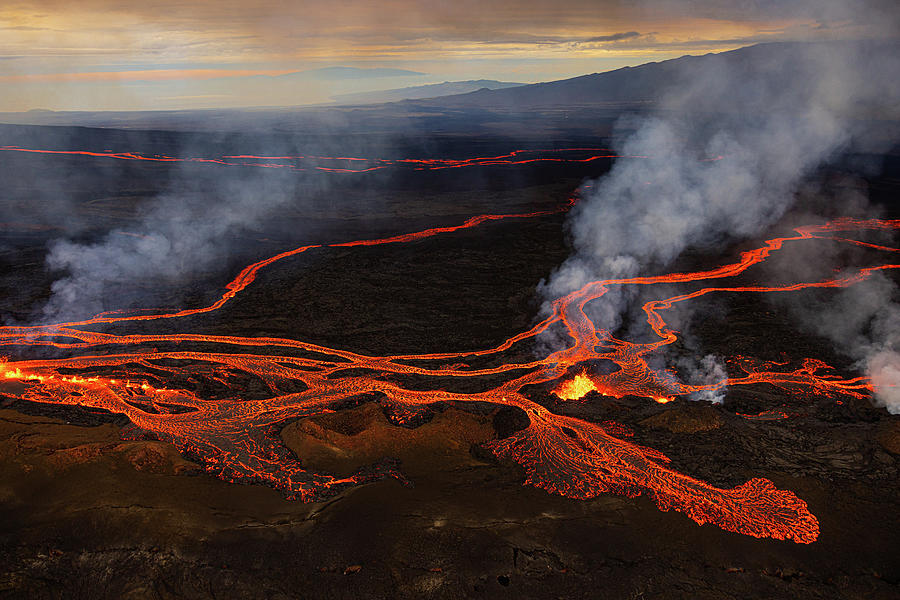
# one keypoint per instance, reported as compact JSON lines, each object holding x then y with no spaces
{"x":759,"y":66}
{"x":432,"y":90}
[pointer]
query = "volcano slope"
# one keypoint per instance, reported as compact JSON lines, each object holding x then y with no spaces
{"x":384,"y":379}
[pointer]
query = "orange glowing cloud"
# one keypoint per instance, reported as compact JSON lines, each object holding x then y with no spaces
{"x":141,"y":75}
{"x":108,"y":43}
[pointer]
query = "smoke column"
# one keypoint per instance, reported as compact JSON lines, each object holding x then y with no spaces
{"x":178,"y":235}
{"x":773,"y":113}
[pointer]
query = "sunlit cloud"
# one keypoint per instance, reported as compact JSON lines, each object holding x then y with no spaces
{"x":111,"y":42}
{"x":143,"y":75}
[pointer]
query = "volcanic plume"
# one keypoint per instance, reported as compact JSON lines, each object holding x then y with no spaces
{"x":770,"y":128}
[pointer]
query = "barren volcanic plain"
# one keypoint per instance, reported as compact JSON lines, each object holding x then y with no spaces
{"x":365,"y":391}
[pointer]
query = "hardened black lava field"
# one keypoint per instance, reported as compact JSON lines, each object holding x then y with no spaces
{"x":358,"y":393}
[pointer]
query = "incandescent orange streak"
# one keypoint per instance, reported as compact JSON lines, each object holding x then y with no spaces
{"x":235,"y":438}
{"x":303,"y":163}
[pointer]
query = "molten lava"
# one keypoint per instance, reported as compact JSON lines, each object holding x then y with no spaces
{"x":575,"y":388}
{"x":233,"y":437}
{"x":346,"y":164}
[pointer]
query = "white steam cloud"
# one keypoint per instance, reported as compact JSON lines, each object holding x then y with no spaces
{"x":773,"y":113}
{"x":864,"y":322}
{"x":178,"y":235}
{"x":884,"y":370}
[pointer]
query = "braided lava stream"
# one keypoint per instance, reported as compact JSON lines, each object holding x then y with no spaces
{"x":237,"y":439}
{"x":349,"y":164}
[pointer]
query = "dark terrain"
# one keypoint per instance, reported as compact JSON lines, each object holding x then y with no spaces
{"x":88,"y":514}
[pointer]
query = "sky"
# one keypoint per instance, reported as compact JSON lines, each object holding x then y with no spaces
{"x":179,"y":54}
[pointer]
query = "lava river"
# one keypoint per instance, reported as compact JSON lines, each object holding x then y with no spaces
{"x":237,"y":439}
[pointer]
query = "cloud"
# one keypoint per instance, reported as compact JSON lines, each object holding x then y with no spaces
{"x":293,"y":36}
{"x":365,"y":29}
{"x":615,"y":37}
{"x":354,"y":73}
{"x":138,"y":75}
{"x":24,"y":28}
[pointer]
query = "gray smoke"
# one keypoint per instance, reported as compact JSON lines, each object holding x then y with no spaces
{"x":177,"y":236}
{"x":708,"y":370}
{"x":862,"y":321}
{"x":773,"y":113}
{"x":884,"y":370}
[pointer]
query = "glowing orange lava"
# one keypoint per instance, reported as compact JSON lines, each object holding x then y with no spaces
{"x":234,"y":437}
{"x":575,"y":388}
{"x":346,"y":164}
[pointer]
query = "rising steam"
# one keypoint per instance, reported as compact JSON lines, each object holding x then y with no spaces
{"x":727,"y":151}
{"x":176,"y":236}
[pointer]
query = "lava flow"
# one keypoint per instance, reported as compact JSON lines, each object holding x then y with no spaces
{"x":348,"y":164}
{"x":235,"y":437}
